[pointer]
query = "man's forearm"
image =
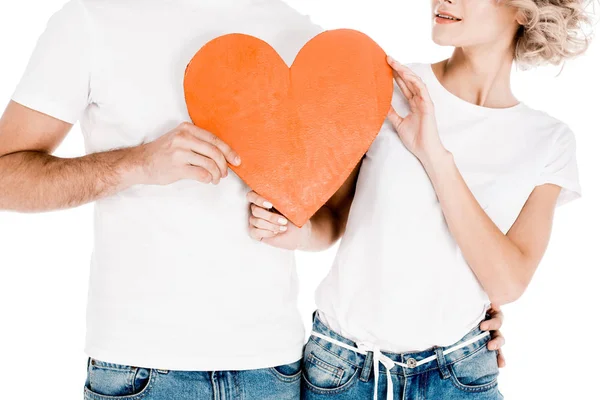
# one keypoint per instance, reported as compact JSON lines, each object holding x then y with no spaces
{"x":33,"y":181}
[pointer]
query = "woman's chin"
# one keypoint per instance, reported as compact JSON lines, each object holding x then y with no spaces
{"x":442,"y":40}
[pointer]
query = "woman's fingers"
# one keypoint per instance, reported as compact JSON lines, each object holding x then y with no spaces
{"x":266,"y":225}
{"x":394,"y":118}
{"x":411,"y":85}
{"x":417,"y":85}
{"x":260,"y":201}
{"x":398,"y":78}
{"x":268,"y":216}
{"x":403,"y":88}
{"x":260,"y":234}
{"x":262,"y":220}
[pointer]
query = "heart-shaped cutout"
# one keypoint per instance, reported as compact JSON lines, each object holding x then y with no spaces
{"x":299,"y":130}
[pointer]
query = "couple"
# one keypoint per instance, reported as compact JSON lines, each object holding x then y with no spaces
{"x":450,"y":210}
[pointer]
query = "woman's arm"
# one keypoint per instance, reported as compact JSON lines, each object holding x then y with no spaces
{"x":323,"y":230}
{"x":504,"y":264}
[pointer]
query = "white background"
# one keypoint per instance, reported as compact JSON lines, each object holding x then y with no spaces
{"x":552,"y":342}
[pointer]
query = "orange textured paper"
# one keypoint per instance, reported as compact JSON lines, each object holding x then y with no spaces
{"x":299,"y":130}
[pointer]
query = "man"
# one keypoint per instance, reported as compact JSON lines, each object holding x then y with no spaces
{"x":182,"y":304}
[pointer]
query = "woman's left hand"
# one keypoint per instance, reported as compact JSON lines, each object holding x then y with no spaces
{"x":493,"y":325}
{"x":418,"y":130}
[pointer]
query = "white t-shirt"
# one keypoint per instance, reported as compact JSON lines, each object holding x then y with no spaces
{"x":175,"y":282}
{"x":399,"y":279}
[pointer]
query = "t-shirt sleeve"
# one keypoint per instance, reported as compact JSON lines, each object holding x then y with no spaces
{"x":561,"y":167}
{"x":56,"y":81}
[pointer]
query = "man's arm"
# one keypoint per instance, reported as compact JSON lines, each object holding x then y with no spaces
{"x":31,"y":179}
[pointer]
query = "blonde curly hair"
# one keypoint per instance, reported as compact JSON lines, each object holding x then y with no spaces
{"x":551,"y":31}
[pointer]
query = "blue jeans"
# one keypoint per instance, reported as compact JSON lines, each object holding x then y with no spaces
{"x":108,"y":381}
{"x":331,"y":371}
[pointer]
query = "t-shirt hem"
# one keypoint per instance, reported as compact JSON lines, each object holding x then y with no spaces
{"x":570,"y":190}
{"x":201,"y":363}
{"x":409,"y":346}
{"x":47,"y":107}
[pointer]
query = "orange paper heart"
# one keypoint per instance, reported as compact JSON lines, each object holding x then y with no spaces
{"x":300,"y":131}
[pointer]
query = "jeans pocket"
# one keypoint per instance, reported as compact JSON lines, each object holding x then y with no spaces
{"x":288,"y":372}
{"x":325,"y":372}
{"x":116,"y":381}
{"x":477,"y":372}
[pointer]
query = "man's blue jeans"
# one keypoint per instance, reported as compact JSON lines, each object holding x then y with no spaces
{"x":108,"y":381}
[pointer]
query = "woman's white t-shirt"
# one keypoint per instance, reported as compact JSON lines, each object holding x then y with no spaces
{"x":399,"y":279}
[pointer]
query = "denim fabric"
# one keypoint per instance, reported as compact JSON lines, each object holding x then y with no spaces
{"x":109,"y":381}
{"x":333,"y":372}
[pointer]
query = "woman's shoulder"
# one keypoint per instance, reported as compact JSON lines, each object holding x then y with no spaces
{"x":419,"y":68}
{"x":543,"y":122}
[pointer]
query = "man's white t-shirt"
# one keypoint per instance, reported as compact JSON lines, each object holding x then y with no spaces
{"x":399,"y":279}
{"x":175,"y":280}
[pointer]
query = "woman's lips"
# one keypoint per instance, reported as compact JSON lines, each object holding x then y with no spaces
{"x":441,"y":20}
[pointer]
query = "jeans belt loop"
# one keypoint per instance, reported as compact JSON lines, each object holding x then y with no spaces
{"x":441,"y":359}
{"x":367,"y":367}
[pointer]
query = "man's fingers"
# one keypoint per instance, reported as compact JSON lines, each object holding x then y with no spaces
{"x":260,"y":201}
{"x":496,"y":343}
{"x":230,"y":155}
{"x":273,"y":218}
{"x":208,"y":150}
{"x":197,"y":173}
{"x":208,"y":164}
{"x":501,"y":359}
{"x":491,"y":324}
{"x":496,"y":312}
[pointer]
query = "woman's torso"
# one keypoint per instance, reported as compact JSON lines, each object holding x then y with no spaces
{"x":399,"y":279}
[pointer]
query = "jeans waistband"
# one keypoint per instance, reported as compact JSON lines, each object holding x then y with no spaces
{"x":413,"y":360}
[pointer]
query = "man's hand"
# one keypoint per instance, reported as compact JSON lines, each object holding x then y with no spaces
{"x":32,"y":179}
{"x":493,"y":325}
{"x":186,"y":152}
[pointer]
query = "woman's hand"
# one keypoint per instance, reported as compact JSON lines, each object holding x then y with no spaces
{"x":418,"y":130}
{"x":272,"y":228}
{"x":493,"y":325}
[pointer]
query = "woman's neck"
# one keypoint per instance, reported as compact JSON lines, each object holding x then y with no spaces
{"x":478,"y":76}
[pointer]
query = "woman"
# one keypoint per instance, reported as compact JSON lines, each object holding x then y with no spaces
{"x":452,"y":211}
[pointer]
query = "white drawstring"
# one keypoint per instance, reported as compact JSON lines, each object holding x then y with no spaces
{"x":388,"y":363}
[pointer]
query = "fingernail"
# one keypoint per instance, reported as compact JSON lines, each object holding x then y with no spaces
{"x":237,"y":160}
{"x":283,"y":221}
{"x":391,"y":59}
{"x":493,"y":347}
{"x":267,"y":204}
{"x":283,"y":228}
